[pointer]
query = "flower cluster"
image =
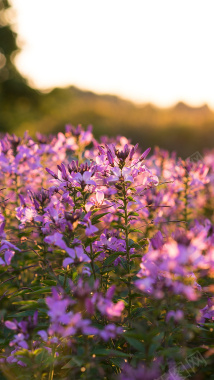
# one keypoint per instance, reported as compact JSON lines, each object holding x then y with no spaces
{"x":106,"y":258}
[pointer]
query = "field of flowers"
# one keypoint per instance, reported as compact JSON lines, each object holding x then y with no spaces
{"x":106,"y":260}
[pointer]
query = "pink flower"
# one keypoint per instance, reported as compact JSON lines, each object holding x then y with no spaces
{"x":107,"y":307}
{"x":176,"y":315}
{"x":120,"y":175}
{"x":99,"y":197}
{"x":84,"y":179}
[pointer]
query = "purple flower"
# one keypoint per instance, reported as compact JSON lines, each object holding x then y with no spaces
{"x":76,"y":254}
{"x":43,"y":335}
{"x":110,"y":332}
{"x":208,"y":311}
{"x":110,"y":158}
{"x":62,"y":174}
{"x":2,"y":233}
{"x":11,"y":325}
{"x":157,"y":240}
{"x":56,"y":239}
{"x":140,"y":373}
{"x":99,"y":197}
{"x":8,"y":249}
{"x":24,"y":329}
{"x":107,"y":307}
{"x":120,"y":175}
{"x":176,"y":315}
{"x":84,"y":179}
{"x":91,"y":230}
{"x":133,"y":151}
{"x":145,"y":154}
{"x":51,"y":173}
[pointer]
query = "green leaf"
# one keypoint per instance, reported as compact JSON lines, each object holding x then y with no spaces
{"x":25,"y":302}
{"x":43,"y":290}
{"x":97,"y":254}
{"x":49,"y":282}
{"x":63,"y":279}
{"x":121,"y":198}
{"x":26,"y":313}
{"x":138,"y":311}
{"x":139,"y":346}
{"x":90,"y":240}
{"x":118,"y":226}
{"x":74,"y":362}
{"x":135,"y":230}
{"x":95,"y":210}
{"x":96,"y":218}
{"x":107,"y":270}
{"x":124,"y":264}
{"x":117,"y":361}
{"x":111,"y":258}
{"x":131,"y":199}
{"x":108,"y":352}
{"x":41,"y":355}
{"x":124,"y":280}
{"x":38,"y":351}
{"x":133,"y":213}
{"x":120,"y":214}
{"x":133,"y":243}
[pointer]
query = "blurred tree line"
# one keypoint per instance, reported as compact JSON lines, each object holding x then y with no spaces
{"x":181,"y":128}
{"x":13,"y":87}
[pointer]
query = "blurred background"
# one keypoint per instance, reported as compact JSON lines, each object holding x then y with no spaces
{"x":140,"y":69}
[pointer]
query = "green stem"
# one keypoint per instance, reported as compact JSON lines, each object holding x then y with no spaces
{"x":74,"y":197}
{"x":125,"y":202}
{"x":186,"y":201}
{"x":51,"y":373}
{"x":65,"y":279}
{"x":92,"y":261}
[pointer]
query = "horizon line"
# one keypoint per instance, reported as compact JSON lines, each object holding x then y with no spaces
{"x":136,"y":102}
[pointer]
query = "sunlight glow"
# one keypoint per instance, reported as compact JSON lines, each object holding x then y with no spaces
{"x":148,"y":51}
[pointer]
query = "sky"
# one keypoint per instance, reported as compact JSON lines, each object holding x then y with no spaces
{"x":158,"y":51}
